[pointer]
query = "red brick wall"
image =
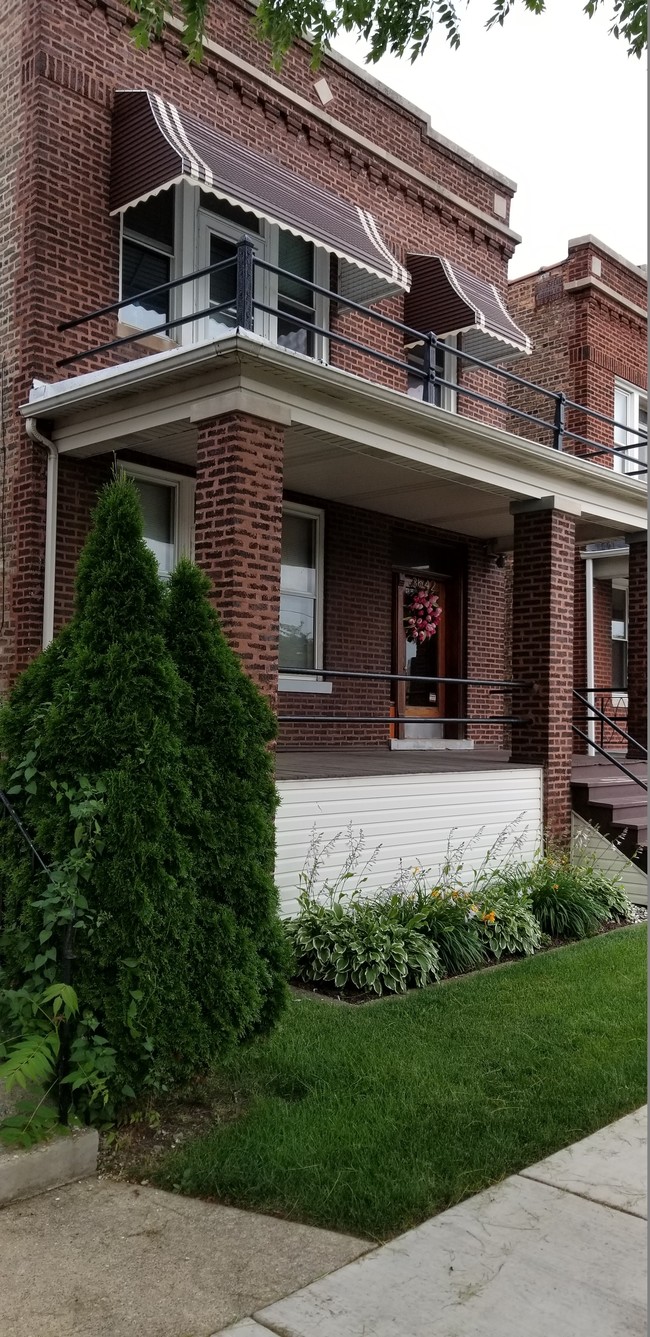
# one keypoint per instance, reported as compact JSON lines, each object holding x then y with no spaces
{"x":542,"y":654}
{"x":359,"y":575}
{"x":239,"y":532}
{"x":79,"y":484}
{"x":583,"y":339}
{"x":61,"y":64}
{"x":237,"y":544}
{"x":12,"y":118}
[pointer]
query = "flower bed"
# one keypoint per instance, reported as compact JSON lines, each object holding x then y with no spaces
{"x":424,"y":928}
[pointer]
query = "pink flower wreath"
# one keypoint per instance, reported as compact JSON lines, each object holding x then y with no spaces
{"x":422,"y":612}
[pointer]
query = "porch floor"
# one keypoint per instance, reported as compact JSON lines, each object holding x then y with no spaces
{"x":331,"y":763}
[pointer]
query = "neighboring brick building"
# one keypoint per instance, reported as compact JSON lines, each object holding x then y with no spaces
{"x":264,"y":415}
{"x":587,"y":318}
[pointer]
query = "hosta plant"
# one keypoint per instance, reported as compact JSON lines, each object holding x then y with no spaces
{"x":363,"y":945}
{"x":505,"y":921}
{"x":447,"y":919}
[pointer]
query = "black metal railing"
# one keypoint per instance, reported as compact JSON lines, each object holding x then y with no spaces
{"x":241,"y":310}
{"x":494,"y":686}
{"x":596,"y":714}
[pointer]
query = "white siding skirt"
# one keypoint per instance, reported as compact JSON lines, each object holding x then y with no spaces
{"x":409,"y":819}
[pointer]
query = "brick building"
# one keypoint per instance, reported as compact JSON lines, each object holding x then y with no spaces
{"x":294,"y":408}
{"x":587,"y":319}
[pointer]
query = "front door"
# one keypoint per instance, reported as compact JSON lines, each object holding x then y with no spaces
{"x":419,"y":605}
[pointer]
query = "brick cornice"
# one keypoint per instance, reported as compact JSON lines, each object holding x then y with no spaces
{"x":254,"y":87}
{"x":579,"y":285}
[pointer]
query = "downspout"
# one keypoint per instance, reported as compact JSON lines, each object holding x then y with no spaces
{"x":589,"y":626}
{"x":49,"y":574}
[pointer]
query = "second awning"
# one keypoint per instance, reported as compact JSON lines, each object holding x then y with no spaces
{"x":446,"y":299}
{"x":155,"y":145}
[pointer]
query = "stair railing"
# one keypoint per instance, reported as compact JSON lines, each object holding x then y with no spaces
{"x":606,"y":719}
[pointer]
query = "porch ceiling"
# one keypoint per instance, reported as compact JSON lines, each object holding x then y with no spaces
{"x":321,"y":465}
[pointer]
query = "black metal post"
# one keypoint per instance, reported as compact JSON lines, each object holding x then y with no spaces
{"x":432,"y":346}
{"x":427,"y":364}
{"x":559,"y":424}
{"x":245,"y":283}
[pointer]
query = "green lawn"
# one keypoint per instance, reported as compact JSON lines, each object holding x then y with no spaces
{"x":370,"y":1119}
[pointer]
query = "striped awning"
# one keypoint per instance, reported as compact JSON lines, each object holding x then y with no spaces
{"x":155,"y":145}
{"x":446,"y":299}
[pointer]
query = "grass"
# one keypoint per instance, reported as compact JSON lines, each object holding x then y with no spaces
{"x":370,"y":1119}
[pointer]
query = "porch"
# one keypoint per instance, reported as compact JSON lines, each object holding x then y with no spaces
{"x":238,"y":430}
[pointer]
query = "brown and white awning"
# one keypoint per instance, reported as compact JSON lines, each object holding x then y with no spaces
{"x":446,"y":299}
{"x":155,"y":145}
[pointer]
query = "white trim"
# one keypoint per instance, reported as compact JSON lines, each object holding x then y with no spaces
{"x":635,"y":395}
{"x":209,"y":224}
{"x":576,"y":285}
{"x":184,"y":489}
{"x":316,"y":514}
{"x":315,"y":686}
{"x":159,"y":248}
{"x":590,"y":240}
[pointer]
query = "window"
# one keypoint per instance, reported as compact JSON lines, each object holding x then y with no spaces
{"x":167,"y":503}
{"x":446,"y":367}
{"x":301,"y":589}
{"x":295,"y":298}
{"x":221,"y":226}
{"x":619,"y":636}
{"x":631,"y":411}
{"x":147,"y":259}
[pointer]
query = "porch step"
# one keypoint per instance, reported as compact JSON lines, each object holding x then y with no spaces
{"x":614,"y":803}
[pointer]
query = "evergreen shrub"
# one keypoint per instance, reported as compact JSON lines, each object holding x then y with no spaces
{"x":180,"y":953}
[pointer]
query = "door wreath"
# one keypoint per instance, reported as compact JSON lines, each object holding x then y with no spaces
{"x":422,"y":611}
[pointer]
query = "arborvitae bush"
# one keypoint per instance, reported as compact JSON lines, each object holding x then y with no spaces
{"x":185,"y":952}
{"x":240,"y":951}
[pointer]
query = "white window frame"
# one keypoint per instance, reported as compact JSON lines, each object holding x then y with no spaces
{"x":208,"y":224}
{"x":321,"y":276}
{"x":193,"y":225}
{"x":449,"y":395}
{"x":620,"y":698}
{"x":294,"y":682}
{"x":130,"y":234}
{"x":635,"y":396}
{"x":184,"y":489}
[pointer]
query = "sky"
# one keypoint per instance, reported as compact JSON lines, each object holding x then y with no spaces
{"x":551,"y":101}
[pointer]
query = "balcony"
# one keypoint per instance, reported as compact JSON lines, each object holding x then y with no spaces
{"x":420,"y":365}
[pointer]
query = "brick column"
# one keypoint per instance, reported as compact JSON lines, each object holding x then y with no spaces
{"x":637,"y":643}
{"x":239,"y":534}
{"x":542,"y":651}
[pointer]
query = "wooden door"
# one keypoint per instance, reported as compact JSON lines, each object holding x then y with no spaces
{"x":424,"y":701}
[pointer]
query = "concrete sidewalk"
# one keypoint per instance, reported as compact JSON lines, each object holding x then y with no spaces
{"x":559,"y":1249}
{"x":104,"y":1259}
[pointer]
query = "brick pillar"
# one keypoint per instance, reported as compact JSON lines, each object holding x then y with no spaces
{"x":637,"y":644}
{"x":239,"y":534}
{"x":542,"y":651}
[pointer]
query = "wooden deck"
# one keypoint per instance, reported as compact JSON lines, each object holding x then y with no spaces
{"x":331,"y":763}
